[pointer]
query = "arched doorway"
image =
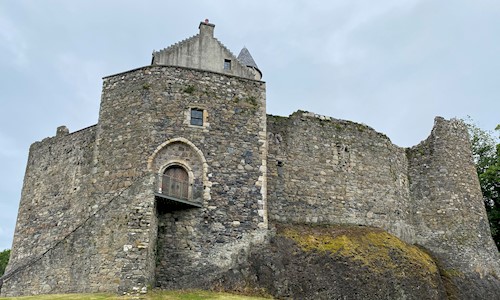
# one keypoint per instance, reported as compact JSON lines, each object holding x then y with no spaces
{"x":175,"y":182}
{"x":180,"y":169}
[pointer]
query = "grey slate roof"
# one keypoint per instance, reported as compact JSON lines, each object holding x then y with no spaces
{"x":246,"y":58}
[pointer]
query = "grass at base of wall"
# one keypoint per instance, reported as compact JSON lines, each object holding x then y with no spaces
{"x":154,"y":295}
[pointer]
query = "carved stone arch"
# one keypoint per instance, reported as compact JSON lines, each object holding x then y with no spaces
{"x":183,"y":153}
{"x":177,"y":162}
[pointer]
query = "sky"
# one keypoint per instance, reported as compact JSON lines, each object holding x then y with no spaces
{"x":391,"y":64}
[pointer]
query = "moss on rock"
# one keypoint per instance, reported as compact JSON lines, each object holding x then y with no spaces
{"x":372,"y":247}
{"x":339,"y":262}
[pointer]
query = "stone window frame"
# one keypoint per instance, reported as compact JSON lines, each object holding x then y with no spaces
{"x":178,"y":163}
{"x":193,"y":119}
{"x":205,"y":123}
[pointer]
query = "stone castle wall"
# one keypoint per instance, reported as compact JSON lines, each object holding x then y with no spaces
{"x":121,"y":236}
{"x":95,"y":257}
{"x":113,"y":234}
{"x":327,"y":171}
{"x":72,"y":231}
{"x":61,"y":241}
{"x":54,"y":195}
{"x":154,"y":131}
{"x":450,"y":218}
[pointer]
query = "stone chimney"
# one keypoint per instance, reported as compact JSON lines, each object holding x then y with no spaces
{"x":62,"y":131}
{"x":206,"y":28}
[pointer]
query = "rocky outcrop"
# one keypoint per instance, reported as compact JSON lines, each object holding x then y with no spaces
{"x":350,"y":262}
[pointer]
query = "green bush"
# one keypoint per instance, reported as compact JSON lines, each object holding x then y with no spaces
{"x":4,"y":259}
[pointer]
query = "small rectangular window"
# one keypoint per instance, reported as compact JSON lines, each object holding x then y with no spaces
{"x":196,"y":116}
{"x":227,"y":64}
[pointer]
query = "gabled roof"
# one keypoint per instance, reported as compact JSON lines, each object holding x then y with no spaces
{"x":204,"y":52}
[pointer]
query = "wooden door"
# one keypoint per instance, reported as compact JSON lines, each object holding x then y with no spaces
{"x":175,"y":182}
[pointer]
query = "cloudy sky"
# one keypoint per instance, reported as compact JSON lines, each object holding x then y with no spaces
{"x":391,"y":64}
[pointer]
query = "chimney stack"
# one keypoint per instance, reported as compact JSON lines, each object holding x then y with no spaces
{"x":206,"y":28}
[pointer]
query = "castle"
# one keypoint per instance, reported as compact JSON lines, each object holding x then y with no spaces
{"x":184,"y":170}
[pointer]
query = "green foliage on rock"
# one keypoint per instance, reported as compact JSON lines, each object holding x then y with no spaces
{"x":4,"y":259}
{"x":486,"y":153}
{"x":189,"y":89}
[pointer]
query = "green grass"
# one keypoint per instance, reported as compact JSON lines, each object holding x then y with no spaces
{"x":197,"y":295}
{"x":155,"y":295}
{"x":66,"y":297}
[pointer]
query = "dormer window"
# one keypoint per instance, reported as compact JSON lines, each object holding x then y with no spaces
{"x":227,"y":64}
{"x":196,"y":117}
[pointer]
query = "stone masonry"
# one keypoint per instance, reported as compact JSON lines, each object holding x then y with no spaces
{"x":96,"y":213}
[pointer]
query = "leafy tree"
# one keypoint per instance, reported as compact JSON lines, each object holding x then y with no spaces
{"x":486,"y":152}
{"x":4,"y":259}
